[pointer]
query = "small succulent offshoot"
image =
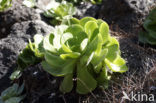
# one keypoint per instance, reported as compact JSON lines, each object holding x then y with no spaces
{"x":64,"y":11}
{"x":12,"y":94}
{"x":149,"y":35}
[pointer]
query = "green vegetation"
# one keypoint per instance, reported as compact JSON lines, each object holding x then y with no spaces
{"x":82,"y":50}
{"x":29,"y":56}
{"x":96,"y":1}
{"x":12,"y":94}
{"x":64,"y":11}
{"x":57,"y":11}
{"x":149,"y":35}
{"x":5,"y":4}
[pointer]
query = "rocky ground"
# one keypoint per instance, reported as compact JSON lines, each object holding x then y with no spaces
{"x":125,"y":17}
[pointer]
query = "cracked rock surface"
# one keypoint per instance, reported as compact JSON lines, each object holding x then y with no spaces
{"x":16,"y":13}
{"x":17,"y":25}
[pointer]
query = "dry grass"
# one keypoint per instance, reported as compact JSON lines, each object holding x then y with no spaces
{"x":127,"y":83}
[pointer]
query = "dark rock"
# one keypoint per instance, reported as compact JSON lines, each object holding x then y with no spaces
{"x":39,"y":83}
{"x":9,"y":49}
{"x":28,"y":29}
{"x":16,"y":13}
{"x":127,"y":14}
{"x":139,"y":59}
{"x":11,"y":46}
{"x":41,"y":87}
{"x":87,"y":9}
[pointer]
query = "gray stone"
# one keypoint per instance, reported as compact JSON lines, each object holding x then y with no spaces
{"x":11,"y":46}
{"x":9,"y":49}
{"x":16,"y":13}
{"x":87,"y":9}
{"x":138,"y":58}
{"x":28,"y":29}
{"x":38,"y":82}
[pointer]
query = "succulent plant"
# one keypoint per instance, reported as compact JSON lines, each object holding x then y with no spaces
{"x":5,"y":4}
{"x":149,"y":35}
{"x":64,"y":11}
{"x":83,"y":50}
{"x":12,"y":94}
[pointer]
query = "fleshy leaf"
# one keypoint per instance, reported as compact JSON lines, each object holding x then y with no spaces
{"x":112,"y":52}
{"x":65,"y":37}
{"x":104,"y":31}
{"x":37,"y":39}
{"x":62,"y":71}
{"x":103,"y":78}
{"x":9,"y":92}
{"x":54,"y":60}
{"x":67,"y":84}
{"x":15,"y":99}
{"x":89,"y":51}
{"x":119,"y":65}
{"x":47,"y":43}
{"x":84,"y":20}
{"x":99,"y":22}
{"x":73,"y":55}
{"x":66,"y":49}
{"x":71,"y":21}
{"x":90,"y":28}
{"x":15,"y":75}
{"x":78,"y":37}
{"x":75,"y":21}
{"x":113,"y":41}
{"x":84,"y":44}
{"x":12,"y":94}
{"x":99,"y":58}
{"x":85,"y":82}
